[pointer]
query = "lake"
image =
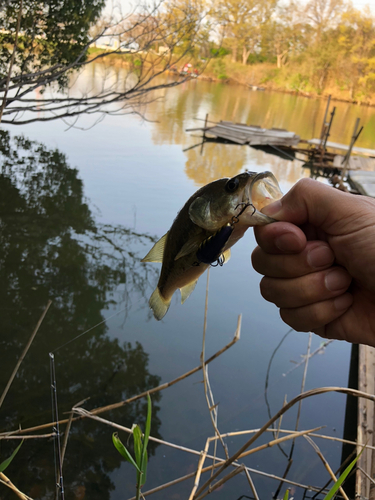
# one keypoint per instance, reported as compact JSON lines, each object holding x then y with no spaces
{"x":79,"y":209}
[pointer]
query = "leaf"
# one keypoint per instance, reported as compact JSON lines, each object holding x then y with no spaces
{"x":122,"y":450}
{"x":332,"y":492}
{"x":286,"y":495}
{"x":137,"y":436}
{"x":6,"y":462}
{"x":148,"y":424}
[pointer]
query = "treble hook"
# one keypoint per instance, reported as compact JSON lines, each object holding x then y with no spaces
{"x":236,"y":218}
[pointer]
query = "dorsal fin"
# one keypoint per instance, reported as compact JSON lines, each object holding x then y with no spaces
{"x":157,"y":251}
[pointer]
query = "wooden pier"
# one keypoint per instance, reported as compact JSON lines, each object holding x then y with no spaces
{"x":253,"y":135}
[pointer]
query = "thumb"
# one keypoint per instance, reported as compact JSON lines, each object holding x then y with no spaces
{"x":323,"y":206}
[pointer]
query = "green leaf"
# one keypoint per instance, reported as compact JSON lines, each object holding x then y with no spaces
{"x":122,"y":450}
{"x":6,"y":462}
{"x":332,"y":492}
{"x":137,"y":435}
{"x":148,"y":423}
{"x":286,"y":495}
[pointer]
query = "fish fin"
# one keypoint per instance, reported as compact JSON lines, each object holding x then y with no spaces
{"x":200,"y":213}
{"x":226,"y":255}
{"x":191,"y":245}
{"x":158,"y":304}
{"x":186,"y":291}
{"x":157,"y":251}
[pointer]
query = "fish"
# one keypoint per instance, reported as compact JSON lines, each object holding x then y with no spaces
{"x":212,"y":220}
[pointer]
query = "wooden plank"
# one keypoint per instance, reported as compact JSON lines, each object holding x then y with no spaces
{"x":257,"y":130}
{"x":363,"y":182}
{"x":366,"y":383}
{"x":344,"y":147}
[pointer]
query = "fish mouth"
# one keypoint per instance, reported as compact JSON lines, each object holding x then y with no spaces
{"x":261,"y":190}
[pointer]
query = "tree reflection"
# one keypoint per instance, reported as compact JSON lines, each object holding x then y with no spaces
{"x":51,"y":247}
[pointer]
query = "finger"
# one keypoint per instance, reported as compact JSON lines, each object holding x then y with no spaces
{"x":315,"y":256}
{"x":280,"y":237}
{"x":323,"y":206}
{"x":306,"y":290}
{"x":316,"y":316}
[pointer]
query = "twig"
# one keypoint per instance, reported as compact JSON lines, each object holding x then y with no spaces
{"x":252,"y":486}
{"x":7,"y":482}
{"x":18,"y":364}
{"x":293,"y":435}
{"x":34,"y":436}
{"x":367,"y":475}
{"x":326,"y":464}
{"x":212,"y":408}
{"x":312,"y":392}
{"x":317,"y":351}
{"x":199,"y":470}
{"x":97,"y":411}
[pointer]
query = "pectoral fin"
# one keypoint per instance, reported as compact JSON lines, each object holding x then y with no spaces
{"x":186,"y":291}
{"x":157,"y":251}
{"x":158,"y":304}
{"x":191,"y":245}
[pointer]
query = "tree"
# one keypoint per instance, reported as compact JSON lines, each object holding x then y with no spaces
{"x":243,"y":21}
{"x":324,"y":14}
{"x":357,"y":42}
{"x":286,"y":34}
{"x":43,"y":42}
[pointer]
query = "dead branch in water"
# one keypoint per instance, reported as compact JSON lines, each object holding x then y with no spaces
{"x":21,"y":358}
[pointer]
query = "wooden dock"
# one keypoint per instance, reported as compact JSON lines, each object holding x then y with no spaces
{"x":343,"y":147}
{"x":240,"y":133}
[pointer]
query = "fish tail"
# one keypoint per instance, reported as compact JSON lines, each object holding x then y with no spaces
{"x":158,"y":304}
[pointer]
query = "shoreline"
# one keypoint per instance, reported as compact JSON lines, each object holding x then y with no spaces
{"x":242,"y":74}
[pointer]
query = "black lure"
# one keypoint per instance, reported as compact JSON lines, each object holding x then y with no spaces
{"x":211,"y":249}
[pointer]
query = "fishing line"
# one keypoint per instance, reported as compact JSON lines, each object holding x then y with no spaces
{"x":89,"y":330}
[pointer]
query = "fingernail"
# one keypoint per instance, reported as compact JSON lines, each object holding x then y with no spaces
{"x":320,"y":256}
{"x":272,"y":208}
{"x":337,"y":279}
{"x":343,"y":302}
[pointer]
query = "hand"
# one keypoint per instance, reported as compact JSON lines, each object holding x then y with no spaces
{"x":319,"y":262}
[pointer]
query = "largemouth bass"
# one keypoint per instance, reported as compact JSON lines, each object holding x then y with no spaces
{"x":210,"y":222}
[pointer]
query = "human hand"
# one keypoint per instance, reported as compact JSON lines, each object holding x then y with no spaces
{"x":319,"y":262}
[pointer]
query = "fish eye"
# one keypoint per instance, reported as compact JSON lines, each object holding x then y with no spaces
{"x":232,"y":185}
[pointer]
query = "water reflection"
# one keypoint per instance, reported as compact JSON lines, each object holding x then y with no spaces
{"x":51,"y":247}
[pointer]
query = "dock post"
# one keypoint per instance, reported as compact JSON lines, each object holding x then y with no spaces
{"x":349,"y":152}
{"x":325,"y":124}
{"x":326,"y":135}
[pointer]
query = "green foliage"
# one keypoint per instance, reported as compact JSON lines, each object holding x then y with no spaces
{"x":219,"y":69}
{"x":52,"y":32}
{"x":258,"y":58}
{"x":6,"y":462}
{"x":332,"y":492}
{"x":220,"y":52}
{"x":140,"y":448}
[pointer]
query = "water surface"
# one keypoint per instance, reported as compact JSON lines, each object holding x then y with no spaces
{"x":79,"y":209}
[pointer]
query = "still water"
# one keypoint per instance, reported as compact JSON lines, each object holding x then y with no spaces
{"x":79,"y":209}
